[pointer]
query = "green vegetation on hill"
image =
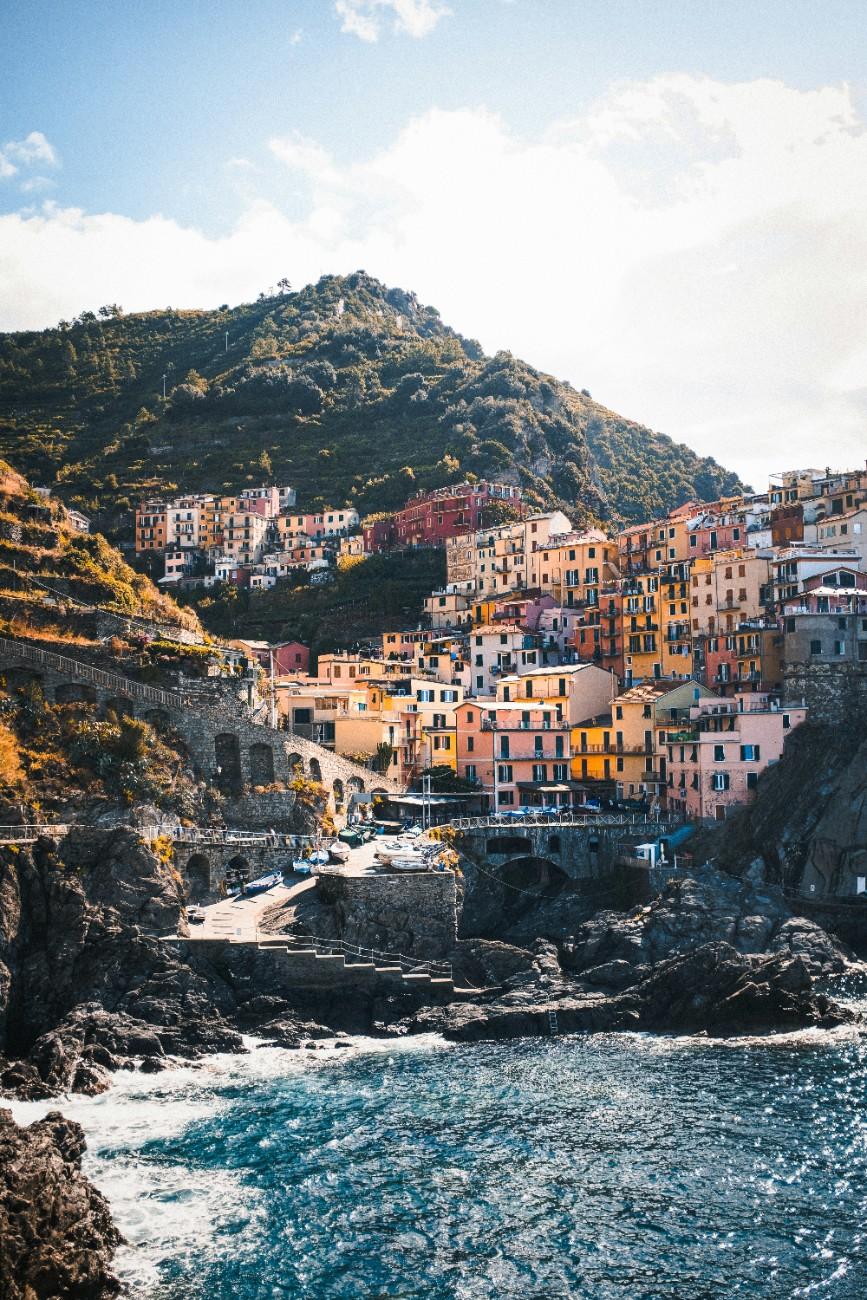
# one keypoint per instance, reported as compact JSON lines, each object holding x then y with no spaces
{"x":352,"y":392}
{"x":43,"y":560}
{"x":366,"y":597}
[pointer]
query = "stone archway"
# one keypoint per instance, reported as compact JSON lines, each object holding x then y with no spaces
{"x":198,"y":874}
{"x":157,"y":718}
{"x":120,"y":706}
{"x":227,"y":755}
{"x":237,"y":871}
{"x":23,"y":679}
{"x":534,"y":875}
{"x":296,"y":764}
{"x":261,"y":764}
{"x":315,"y":770}
{"x":339,"y":793}
{"x":74,"y":693}
{"x":356,"y":785}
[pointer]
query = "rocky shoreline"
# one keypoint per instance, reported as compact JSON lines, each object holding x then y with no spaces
{"x":88,"y":987}
{"x":57,"y":1234}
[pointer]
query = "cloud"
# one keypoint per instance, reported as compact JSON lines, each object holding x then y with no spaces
{"x":34,"y":148}
{"x":364,"y":18}
{"x":688,"y":250}
{"x":296,"y":37}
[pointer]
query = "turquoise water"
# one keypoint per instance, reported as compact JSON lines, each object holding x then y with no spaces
{"x":602,"y":1167}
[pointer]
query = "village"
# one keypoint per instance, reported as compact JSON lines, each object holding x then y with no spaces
{"x":659,"y":668}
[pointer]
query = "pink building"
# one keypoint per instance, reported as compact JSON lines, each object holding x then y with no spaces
{"x":430,"y":518}
{"x":289,"y":656}
{"x":714,"y":760}
{"x":518,"y":753}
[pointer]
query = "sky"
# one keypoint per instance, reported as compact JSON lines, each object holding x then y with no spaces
{"x":664,"y":203}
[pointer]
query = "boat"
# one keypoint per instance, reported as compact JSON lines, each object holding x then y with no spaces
{"x":318,"y":858}
{"x":262,"y":883}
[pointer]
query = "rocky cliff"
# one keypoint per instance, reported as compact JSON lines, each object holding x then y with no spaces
{"x":56,"y":1234}
{"x":808,"y":826}
{"x":85,"y":981}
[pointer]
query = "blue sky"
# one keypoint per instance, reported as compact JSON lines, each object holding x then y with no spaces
{"x":660,"y":201}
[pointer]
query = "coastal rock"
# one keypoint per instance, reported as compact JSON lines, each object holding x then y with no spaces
{"x":56,"y":1230}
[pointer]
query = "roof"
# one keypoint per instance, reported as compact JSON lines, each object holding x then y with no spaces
{"x":646,"y":692}
{"x":553,"y":670}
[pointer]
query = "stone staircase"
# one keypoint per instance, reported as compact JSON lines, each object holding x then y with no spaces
{"x":330,"y":963}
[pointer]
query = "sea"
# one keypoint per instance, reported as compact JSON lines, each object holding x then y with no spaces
{"x":608,"y":1166}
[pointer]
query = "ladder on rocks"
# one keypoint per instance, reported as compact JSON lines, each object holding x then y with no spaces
{"x":553,"y":1028}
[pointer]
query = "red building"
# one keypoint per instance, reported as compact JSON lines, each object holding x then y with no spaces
{"x":430,"y":518}
{"x":379,"y":535}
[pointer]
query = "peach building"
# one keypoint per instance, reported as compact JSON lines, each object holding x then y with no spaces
{"x":717,"y":753}
{"x":518,"y":753}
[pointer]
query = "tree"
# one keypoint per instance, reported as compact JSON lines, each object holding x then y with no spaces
{"x":283,"y":285}
{"x":263,"y":463}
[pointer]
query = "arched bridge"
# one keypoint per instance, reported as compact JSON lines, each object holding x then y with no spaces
{"x":240,"y":749}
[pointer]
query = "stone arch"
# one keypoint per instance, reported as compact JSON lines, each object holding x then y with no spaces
{"x":74,"y":693}
{"x":356,"y":784}
{"x":381,"y":790}
{"x":23,"y":679}
{"x":534,"y":874}
{"x":237,"y":871}
{"x":315,"y":770}
{"x":339,"y":792}
{"x":157,"y":718}
{"x":121,"y":706}
{"x":509,"y":844}
{"x":261,"y":764}
{"x":227,"y":755}
{"x":296,"y":764}
{"x":198,"y":874}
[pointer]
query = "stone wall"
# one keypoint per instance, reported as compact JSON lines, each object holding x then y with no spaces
{"x":411,"y":914}
{"x":835,"y":693}
{"x":271,"y":809}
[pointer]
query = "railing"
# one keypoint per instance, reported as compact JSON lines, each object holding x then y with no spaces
{"x":96,"y":676}
{"x":27,"y":834}
{"x":325,"y":947}
{"x":567,"y":818}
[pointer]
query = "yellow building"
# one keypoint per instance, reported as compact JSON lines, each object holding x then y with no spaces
{"x":572,"y":567}
{"x":674,"y":619}
{"x":640,"y":627}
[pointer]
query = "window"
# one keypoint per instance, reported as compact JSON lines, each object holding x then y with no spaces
{"x":618,"y":711}
{"x":471,"y":744}
{"x":815,"y":647}
{"x":504,"y":772}
{"x":540,"y":772}
{"x":448,"y":697}
{"x":750,"y":753}
{"x":752,"y":780}
{"x":538,"y":744}
{"x":425,"y":696}
{"x":504,"y":746}
{"x":719,"y":753}
{"x":839,"y":647}
{"x":720,"y":781}
{"x":560,"y":772}
{"x":470,"y":771}
{"x":507,"y":796}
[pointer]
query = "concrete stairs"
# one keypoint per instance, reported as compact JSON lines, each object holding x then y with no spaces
{"x":318,"y":965}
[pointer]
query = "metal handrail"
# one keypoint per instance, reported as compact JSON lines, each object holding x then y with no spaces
{"x":97,"y":676}
{"x":413,"y":965}
{"x":600,"y":821}
{"x":33,"y":831}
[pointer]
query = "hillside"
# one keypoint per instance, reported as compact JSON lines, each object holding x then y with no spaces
{"x":352,"y":392}
{"x":49,"y":570}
